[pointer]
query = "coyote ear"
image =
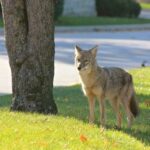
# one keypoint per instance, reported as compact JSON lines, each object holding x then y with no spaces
{"x":77,"y":50}
{"x":94,"y":51}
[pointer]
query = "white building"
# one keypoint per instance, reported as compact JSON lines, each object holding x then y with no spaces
{"x":79,"y":8}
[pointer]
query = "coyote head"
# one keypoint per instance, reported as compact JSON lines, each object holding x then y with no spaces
{"x":85,"y":60}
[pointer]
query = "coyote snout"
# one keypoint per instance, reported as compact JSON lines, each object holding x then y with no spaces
{"x":112,"y":83}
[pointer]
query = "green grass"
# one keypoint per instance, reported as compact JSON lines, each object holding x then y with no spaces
{"x":88,"y":21}
{"x":145,"y":6}
{"x":81,"y":21}
{"x":69,"y":130}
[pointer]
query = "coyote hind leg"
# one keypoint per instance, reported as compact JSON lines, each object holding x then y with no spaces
{"x":126,"y":104}
{"x":102,"y":110}
{"x":129,"y":115}
{"x":116,"y":106}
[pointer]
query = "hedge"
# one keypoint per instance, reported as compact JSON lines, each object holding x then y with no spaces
{"x":118,"y":8}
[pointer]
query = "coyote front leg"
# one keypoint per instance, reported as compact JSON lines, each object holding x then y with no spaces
{"x":91,"y":108}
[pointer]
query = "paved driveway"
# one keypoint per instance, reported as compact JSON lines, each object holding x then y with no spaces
{"x":121,"y":49}
{"x":145,"y":14}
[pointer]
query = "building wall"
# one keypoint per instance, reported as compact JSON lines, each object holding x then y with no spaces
{"x":79,"y":8}
{"x":144,"y":1}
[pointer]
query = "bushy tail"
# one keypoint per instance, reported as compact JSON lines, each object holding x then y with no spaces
{"x":134,"y":107}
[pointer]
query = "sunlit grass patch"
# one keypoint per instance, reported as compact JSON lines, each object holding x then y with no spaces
{"x":145,"y":6}
{"x":87,"y":21}
{"x":70,"y":129}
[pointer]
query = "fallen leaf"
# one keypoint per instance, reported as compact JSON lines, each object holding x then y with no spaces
{"x":83,"y":138}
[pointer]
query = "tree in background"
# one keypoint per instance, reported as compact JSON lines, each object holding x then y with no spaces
{"x":29,"y":32}
{"x":118,"y":8}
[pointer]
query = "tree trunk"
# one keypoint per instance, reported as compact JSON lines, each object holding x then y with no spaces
{"x":29,"y":32}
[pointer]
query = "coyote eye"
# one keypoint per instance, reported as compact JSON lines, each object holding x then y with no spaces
{"x":86,"y":61}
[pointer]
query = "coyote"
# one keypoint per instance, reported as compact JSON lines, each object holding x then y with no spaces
{"x":112,"y":83}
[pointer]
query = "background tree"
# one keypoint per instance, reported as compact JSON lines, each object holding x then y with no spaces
{"x":29,"y":32}
{"x":118,"y":8}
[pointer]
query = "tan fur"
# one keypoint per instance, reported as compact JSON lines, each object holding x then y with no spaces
{"x":114,"y":84}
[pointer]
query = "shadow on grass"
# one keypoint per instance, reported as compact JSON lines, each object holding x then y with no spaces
{"x":72,"y":103}
{"x":5,"y":101}
{"x":141,"y":127}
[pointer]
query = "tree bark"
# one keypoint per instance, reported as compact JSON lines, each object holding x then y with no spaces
{"x":29,"y":32}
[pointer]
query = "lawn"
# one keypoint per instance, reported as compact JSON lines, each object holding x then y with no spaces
{"x":88,"y":21}
{"x":69,"y":130}
{"x":145,"y":6}
{"x":81,"y":21}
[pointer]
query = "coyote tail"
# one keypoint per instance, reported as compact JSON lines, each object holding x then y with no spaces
{"x":134,"y":107}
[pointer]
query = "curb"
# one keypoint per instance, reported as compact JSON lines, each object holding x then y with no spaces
{"x":103,"y":28}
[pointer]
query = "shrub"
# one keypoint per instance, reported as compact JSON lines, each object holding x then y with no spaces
{"x":118,"y":8}
{"x":58,"y":8}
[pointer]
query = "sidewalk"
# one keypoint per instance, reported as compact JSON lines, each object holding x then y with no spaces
{"x":103,"y":28}
{"x":145,"y":14}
